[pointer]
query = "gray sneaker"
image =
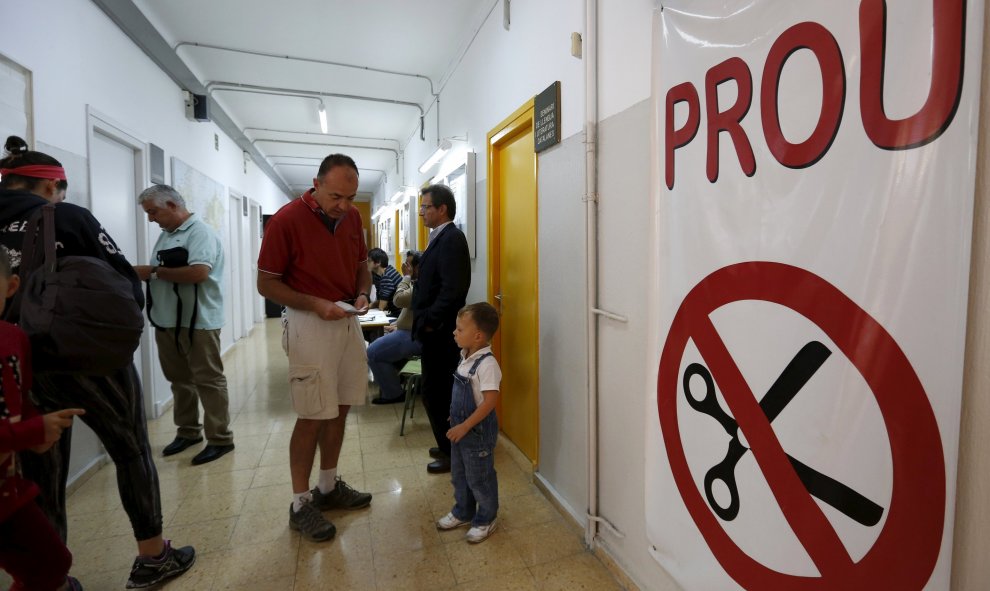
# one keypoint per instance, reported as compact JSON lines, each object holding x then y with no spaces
{"x":311,"y":523}
{"x":341,"y":497}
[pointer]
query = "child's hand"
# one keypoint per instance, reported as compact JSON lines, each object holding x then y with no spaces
{"x":58,"y":421}
{"x":457,"y":433}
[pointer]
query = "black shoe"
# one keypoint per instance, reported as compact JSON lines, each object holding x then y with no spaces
{"x":439,"y":466}
{"x":381,"y":400}
{"x":436,"y":454}
{"x":180,"y":444}
{"x":311,"y":523}
{"x":341,"y":497}
{"x":211,"y":452}
{"x":147,"y":572}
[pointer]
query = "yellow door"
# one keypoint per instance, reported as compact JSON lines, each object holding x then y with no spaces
{"x":513,"y":276}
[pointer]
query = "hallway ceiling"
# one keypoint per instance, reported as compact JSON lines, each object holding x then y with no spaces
{"x":421,"y":39}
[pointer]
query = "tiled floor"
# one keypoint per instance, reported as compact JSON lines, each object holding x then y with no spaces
{"x":234,"y":510}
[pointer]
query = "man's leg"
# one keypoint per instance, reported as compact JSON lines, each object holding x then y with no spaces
{"x":302,"y":452}
{"x":331,"y":440}
{"x":175,"y":366}
{"x":206,"y":367}
{"x":440,"y":357}
{"x":383,"y":353}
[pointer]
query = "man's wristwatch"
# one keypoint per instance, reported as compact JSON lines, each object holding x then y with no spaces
{"x":365,"y":294}
{"x":154,"y":272}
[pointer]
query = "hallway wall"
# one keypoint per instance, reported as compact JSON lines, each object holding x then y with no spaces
{"x":79,"y":57}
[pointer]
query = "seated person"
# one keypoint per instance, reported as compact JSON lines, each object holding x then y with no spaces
{"x":397,"y":345}
{"x":385,"y":279}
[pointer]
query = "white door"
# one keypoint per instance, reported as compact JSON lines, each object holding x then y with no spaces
{"x":244,"y":257}
{"x":113,"y":199}
{"x":254,"y":227}
{"x":232,"y":291}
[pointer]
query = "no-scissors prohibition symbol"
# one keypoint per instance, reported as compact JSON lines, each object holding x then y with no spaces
{"x":907,"y":548}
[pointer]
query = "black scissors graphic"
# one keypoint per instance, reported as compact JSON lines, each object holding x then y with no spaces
{"x":791,"y":380}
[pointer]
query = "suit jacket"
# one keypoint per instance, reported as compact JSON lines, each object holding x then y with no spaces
{"x":442,"y":286}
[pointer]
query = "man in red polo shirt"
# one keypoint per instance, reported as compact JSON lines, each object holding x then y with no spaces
{"x":313,"y":257}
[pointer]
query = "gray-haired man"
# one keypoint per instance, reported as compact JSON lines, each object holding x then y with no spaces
{"x":186,"y":308}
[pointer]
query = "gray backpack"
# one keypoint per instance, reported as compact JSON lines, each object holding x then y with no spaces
{"x":80,"y":313}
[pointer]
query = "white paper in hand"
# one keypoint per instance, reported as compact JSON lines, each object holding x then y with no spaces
{"x":347,"y":307}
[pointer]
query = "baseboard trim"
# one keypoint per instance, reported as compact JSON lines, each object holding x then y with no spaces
{"x":577,"y":521}
{"x":75,"y":482}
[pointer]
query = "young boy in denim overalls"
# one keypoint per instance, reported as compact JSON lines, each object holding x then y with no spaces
{"x":473,"y":425}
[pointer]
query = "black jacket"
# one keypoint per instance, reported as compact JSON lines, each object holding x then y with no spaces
{"x":442,"y":285}
{"x":77,"y":233}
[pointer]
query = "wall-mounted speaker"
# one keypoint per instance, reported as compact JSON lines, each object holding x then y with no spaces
{"x":196,"y":106}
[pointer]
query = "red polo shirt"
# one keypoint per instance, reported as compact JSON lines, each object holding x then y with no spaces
{"x":310,"y":258}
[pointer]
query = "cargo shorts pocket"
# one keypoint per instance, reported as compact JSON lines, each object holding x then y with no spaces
{"x":304,"y":389}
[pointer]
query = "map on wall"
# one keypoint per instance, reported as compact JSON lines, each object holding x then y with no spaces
{"x":204,"y":196}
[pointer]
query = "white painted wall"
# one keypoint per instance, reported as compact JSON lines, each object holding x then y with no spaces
{"x":81,"y":58}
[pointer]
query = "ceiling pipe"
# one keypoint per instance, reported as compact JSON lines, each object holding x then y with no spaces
{"x":350,"y":137}
{"x":329,"y":145}
{"x":304,"y":59}
{"x":378,"y":170}
{"x":217,"y":85}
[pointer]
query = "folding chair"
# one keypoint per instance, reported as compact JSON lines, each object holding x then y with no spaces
{"x":412,"y":373}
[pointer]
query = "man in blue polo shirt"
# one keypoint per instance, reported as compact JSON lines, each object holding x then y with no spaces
{"x":186,"y":307}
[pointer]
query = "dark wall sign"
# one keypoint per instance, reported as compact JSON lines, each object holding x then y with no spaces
{"x":546,"y":124}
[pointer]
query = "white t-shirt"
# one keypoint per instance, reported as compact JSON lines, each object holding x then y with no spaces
{"x":487,"y":377}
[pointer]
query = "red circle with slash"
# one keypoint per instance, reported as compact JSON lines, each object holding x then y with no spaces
{"x":905,"y":552}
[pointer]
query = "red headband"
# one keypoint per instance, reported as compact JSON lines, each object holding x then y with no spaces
{"x":37,"y":171}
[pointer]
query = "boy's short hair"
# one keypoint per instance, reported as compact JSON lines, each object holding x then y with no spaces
{"x":484,"y":315}
{"x":5,"y":269}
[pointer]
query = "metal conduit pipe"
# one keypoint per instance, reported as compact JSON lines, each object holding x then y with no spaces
{"x":378,"y":170}
{"x":329,"y":145}
{"x":304,"y":59}
{"x":321,"y":134}
{"x":217,"y":85}
{"x":591,"y":256}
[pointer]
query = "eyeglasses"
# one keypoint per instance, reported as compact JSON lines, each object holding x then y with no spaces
{"x":426,"y":206}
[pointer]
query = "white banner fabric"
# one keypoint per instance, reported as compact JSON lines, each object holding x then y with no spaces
{"x":814,"y":186}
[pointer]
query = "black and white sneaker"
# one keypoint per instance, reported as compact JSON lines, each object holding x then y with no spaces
{"x":147,"y":572}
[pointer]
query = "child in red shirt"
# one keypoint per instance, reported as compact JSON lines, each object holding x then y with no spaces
{"x":30,"y":549}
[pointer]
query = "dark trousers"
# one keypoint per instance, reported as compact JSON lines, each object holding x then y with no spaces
{"x":31,"y":551}
{"x":439,"y":361}
{"x":115,"y":412}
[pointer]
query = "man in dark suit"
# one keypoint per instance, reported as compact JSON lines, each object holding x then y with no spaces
{"x":441,"y":289}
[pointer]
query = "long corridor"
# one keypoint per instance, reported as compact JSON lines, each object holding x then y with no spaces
{"x":234,"y":510}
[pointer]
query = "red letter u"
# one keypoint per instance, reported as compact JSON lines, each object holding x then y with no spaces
{"x":947,"y":76}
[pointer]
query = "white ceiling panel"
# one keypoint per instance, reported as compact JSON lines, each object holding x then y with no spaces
{"x":415,"y":38}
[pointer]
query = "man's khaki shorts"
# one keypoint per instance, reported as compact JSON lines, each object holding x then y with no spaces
{"x":328,"y":364}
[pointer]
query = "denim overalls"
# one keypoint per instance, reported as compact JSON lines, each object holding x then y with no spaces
{"x":472,"y":459}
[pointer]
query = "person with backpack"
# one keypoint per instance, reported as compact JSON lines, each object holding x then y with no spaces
{"x":112,"y":400}
{"x":185,"y":306}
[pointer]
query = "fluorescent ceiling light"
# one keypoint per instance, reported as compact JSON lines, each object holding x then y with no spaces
{"x":398,"y":195}
{"x":436,"y":155}
{"x":323,"y":118}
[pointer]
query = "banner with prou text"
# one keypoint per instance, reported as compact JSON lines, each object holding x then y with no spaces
{"x":814,"y":175}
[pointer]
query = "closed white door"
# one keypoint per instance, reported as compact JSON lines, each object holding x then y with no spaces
{"x":114,"y":201}
{"x":232,"y":293}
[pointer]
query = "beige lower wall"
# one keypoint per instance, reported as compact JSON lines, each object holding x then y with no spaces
{"x":971,"y":565}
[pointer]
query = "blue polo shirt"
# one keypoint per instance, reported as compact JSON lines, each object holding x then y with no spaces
{"x":204,"y":248}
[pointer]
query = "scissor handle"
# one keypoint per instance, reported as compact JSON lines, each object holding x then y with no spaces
{"x":708,"y":404}
{"x":726,"y":472}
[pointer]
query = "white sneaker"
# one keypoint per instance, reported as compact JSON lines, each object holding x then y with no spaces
{"x":480,"y":533}
{"x":448,"y":521}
